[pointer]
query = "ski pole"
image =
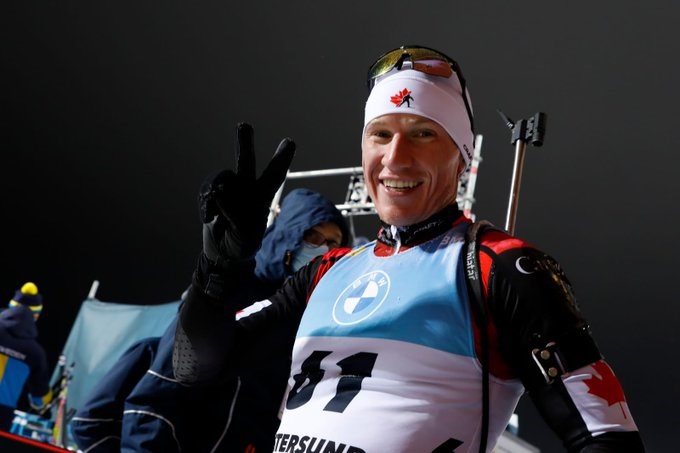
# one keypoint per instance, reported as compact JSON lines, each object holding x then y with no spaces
{"x":524,"y":131}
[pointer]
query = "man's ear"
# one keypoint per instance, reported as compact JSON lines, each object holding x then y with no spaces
{"x":461,"y":165}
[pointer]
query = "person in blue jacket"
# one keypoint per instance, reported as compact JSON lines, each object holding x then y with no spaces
{"x":140,"y":406}
{"x":23,"y":363}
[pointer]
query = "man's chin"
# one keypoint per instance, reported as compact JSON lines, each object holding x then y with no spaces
{"x":397,"y":216}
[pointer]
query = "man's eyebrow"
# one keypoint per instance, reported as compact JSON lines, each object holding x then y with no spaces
{"x":409,"y":121}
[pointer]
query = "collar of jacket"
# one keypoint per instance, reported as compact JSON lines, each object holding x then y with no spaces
{"x":420,"y":232}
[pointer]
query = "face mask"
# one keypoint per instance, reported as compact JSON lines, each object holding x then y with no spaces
{"x":305,"y":253}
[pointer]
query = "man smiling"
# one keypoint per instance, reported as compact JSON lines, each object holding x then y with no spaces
{"x":404,"y":344}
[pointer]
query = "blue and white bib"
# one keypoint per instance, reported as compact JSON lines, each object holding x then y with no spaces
{"x":384,"y":359}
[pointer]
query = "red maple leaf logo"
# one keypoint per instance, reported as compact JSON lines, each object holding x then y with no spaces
{"x":606,"y":385}
{"x":398,"y":99}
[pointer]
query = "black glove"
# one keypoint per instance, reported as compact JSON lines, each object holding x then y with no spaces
{"x":234,"y":209}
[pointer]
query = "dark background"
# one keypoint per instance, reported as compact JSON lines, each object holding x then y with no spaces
{"x":113,"y":113}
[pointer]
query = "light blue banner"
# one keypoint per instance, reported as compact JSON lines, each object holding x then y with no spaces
{"x":101,"y":332}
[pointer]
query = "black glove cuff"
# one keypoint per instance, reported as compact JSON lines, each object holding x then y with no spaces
{"x":203,"y":337}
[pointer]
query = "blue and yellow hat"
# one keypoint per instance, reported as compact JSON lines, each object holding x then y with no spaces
{"x":28,"y":296}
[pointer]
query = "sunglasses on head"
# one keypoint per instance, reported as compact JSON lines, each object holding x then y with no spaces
{"x":422,"y":59}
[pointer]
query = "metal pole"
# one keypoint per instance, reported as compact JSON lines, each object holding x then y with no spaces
{"x":329,"y":172}
{"x":520,"y":149}
{"x":93,"y":289}
{"x":274,"y":206}
{"x":523,"y":131}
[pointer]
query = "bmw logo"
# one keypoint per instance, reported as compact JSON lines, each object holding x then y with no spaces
{"x":361,"y":298}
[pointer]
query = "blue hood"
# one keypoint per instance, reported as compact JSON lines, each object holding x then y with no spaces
{"x":301,"y":209}
{"x":18,"y":322}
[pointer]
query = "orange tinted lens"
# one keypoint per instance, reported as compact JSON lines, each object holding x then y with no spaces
{"x":434,"y":67}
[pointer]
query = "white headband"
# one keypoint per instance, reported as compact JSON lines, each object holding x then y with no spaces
{"x":433,"y":97}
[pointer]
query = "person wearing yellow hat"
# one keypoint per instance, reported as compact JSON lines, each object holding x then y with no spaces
{"x":23,"y":362}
